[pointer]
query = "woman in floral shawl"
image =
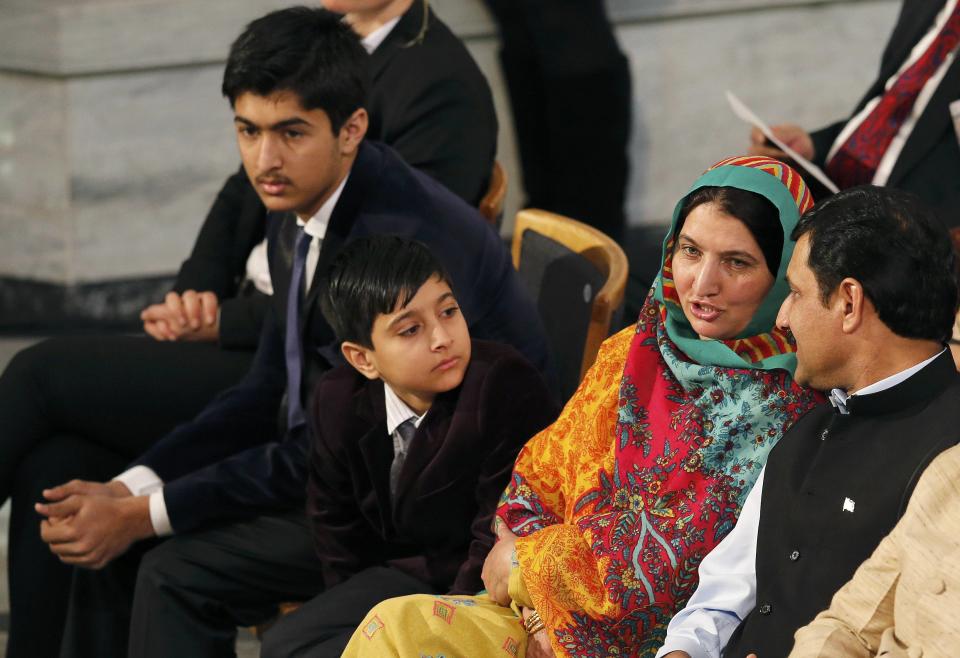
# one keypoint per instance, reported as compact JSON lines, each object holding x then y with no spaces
{"x":611,"y":509}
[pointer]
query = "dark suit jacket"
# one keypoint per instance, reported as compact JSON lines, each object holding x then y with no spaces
{"x":428,"y":100}
{"x":437,"y":528}
{"x":929,"y":164}
{"x":231,"y":461}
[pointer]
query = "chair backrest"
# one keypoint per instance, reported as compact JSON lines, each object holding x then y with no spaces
{"x":491,"y":205}
{"x":577,"y":275}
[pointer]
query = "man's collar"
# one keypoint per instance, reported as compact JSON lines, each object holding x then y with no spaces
{"x":316,"y":226}
{"x":398,"y":411}
{"x":373,"y":40}
{"x":901,"y":389}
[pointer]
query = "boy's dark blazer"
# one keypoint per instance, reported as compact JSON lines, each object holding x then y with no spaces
{"x":424,"y":90}
{"x":929,"y":165}
{"x":437,"y":528}
{"x":231,"y":461}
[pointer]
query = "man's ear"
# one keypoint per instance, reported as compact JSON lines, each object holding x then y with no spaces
{"x":359,"y":357}
{"x":353,"y":130}
{"x":851,"y":304}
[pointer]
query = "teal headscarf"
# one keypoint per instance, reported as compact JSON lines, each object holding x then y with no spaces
{"x":785,"y":189}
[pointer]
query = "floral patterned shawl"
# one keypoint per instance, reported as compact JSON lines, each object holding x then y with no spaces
{"x":647,"y":467}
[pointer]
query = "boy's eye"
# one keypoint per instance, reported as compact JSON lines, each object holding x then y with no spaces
{"x":248,"y":131}
{"x":450,"y":312}
{"x":409,"y":331}
{"x":292,"y":134}
{"x":687,"y":250}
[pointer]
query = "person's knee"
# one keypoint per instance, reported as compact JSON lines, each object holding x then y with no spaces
{"x":162,"y":569}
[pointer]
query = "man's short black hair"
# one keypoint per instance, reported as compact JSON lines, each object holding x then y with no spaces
{"x":896,"y":247}
{"x":308,"y":51}
{"x":373,"y":276}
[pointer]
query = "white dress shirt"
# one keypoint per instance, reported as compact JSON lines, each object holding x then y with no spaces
{"x":143,"y":480}
{"x":728,"y":574}
{"x":889,"y":159}
{"x":398,"y":412}
{"x":373,"y":40}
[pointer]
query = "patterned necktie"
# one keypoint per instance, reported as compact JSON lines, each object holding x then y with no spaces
{"x":401,"y":441}
{"x":292,"y":347}
{"x":856,"y":162}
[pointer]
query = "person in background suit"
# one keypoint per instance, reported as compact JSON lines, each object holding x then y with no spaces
{"x":901,"y":133}
{"x":570,"y":92}
{"x":903,"y":601}
{"x":873,"y":295}
{"x":296,"y":81}
{"x":405,"y":477}
{"x":85,"y":406}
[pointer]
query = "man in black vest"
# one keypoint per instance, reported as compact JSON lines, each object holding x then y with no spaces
{"x":873,"y":295}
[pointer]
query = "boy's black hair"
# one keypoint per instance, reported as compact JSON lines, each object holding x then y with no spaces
{"x":896,"y":247}
{"x":373,"y":276}
{"x":308,"y":51}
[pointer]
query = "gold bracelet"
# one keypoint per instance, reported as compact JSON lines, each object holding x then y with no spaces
{"x":533,"y":623}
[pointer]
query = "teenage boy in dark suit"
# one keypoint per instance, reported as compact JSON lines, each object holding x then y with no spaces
{"x":405,"y":477}
{"x":296,"y":80}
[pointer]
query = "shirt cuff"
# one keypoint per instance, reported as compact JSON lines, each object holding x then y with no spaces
{"x":140,"y":480}
{"x":689,"y":645}
{"x":158,"y":515}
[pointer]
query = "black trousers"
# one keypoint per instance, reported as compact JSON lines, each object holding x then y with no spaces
{"x":570,"y":92}
{"x":186,"y":596}
{"x":322,"y":627}
{"x":85,"y":407}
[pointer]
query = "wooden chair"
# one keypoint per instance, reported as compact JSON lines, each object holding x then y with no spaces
{"x":491,"y":205}
{"x":577,"y":276}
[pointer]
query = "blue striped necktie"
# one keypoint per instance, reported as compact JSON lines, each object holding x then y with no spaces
{"x":292,"y":344}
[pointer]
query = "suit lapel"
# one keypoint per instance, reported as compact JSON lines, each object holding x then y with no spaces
{"x":376,"y":449}
{"x":427,"y":444}
{"x":930,"y":125}
{"x":280,"y":258}
{"x":912,"y":24}
{"x":405,"y":31}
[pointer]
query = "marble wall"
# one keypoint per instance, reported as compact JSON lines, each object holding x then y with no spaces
{"x":114,"y":138}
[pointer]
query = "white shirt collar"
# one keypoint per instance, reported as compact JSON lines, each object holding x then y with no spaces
{"x":316,"y":226}
{"x":840,"y":396}
{"x":373,"y":40}
{"x":398,"y":411}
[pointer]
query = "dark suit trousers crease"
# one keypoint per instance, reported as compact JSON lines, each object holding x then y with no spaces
{"x":322,"y":627}
{"x":84,"y":407}
{"x":191,"y":592}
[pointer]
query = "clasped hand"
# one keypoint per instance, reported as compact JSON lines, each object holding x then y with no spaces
{"x":88,"y":524}
{"x":190,"y":316}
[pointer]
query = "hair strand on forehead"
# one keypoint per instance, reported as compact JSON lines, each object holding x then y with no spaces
{"x":374,"y":276}
{"x":757,"y":213}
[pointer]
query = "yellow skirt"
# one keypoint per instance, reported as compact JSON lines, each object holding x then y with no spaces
{"x":424,"y":626}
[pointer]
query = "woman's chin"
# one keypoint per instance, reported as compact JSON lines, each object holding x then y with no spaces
{"x":711,"y":330}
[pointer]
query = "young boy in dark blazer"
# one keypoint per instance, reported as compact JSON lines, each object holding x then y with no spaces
{"x":412,"y":444}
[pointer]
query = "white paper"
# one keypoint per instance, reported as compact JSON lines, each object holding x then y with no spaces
{"x":955,"y":113}
{"x":747,"y":115}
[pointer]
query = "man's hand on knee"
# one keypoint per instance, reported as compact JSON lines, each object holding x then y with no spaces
{"x":89,"y":524}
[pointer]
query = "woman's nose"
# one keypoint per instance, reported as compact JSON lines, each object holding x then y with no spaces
{"x":707,"y":279}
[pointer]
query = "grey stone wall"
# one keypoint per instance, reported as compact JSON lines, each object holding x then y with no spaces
{"x":114,"y":138}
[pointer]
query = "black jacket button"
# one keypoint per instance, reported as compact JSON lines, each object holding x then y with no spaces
{"x":794,"y":556}
{"x":766,"y":609}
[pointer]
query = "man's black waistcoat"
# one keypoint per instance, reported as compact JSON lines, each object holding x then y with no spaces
{"x":834,"y":486}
